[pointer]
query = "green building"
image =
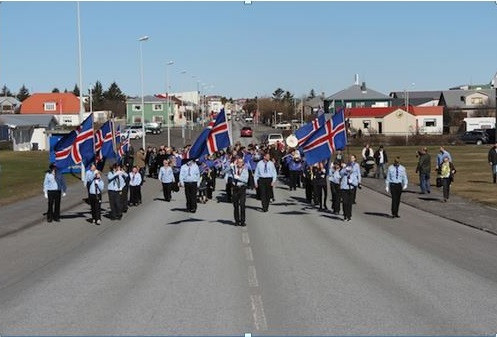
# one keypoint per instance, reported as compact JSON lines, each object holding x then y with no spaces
{"x":156,"y":109}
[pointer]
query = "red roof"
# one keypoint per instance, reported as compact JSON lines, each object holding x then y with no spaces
{"x":382,"y":112}
{"x":369,"y":112}
{"x":427,"y":110}
{"x":65,"y":103}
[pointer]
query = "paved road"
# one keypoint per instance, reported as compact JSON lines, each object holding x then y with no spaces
{"x":297,"y":272}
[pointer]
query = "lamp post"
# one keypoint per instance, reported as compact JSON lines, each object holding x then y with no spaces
{"x":81,"y":106}
{"x":183,"y":112}
{"x":142,"y":39}
{"x":407,"y":114}
{"x":168,"y":104}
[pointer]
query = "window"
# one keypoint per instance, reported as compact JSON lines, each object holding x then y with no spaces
{"x":50,"y":106}
{"x":348,"y":105}
{"x":137,"y":107}
{"x":477,"y":100}
{"x":360,"y":104}
{"x":430,"y":122}
{"x":7,"y":107}
{"x":366,"y":124}
{"x":137,"y":119}
{"x":158,"y":119}
{"x":157,"y":107}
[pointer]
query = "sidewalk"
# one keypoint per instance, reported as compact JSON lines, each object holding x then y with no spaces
{"x":457,"y":209}
{"x":29,"y":212}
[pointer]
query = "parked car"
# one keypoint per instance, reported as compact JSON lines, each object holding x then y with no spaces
{"x":475,"y":137}
{"x":272,"y":138}
{"x":153,"y":128}
{"x":246,"y":131}
{"x":283,"y":126}
{"x":249,"y":119}
{"x":134,"y":133}
{"x":491,"y":135}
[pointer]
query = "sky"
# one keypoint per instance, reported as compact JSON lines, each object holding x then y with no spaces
{"x":243,"y":50}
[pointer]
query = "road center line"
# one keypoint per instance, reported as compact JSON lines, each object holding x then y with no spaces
{"x":258,"y":313}
{"x":248,"y":254}
{"x":252,"y":277}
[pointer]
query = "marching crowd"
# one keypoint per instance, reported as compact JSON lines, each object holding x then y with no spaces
{"x":255,"y":167}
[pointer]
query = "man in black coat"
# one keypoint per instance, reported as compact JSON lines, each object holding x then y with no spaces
{"x":492,"y":161}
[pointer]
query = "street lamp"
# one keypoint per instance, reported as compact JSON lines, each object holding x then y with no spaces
{"x":168,"y":104}
{"x":142,"y":39}
{"x":407,"y":114}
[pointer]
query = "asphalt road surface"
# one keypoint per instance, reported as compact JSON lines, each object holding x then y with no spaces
{"x":292,"y":271}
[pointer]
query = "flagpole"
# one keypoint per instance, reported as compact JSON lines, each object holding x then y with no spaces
{"x":81,"y":106}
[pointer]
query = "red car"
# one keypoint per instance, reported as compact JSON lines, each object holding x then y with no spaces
{"x":246,"y":131}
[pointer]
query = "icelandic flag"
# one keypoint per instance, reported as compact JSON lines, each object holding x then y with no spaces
{"x":322,"y":143}
{"x":76,"y":147}
{"x":123,"y":146}
{"x":306,"y":131}
{"x":215,"y":137}
{"x":108,"y":140}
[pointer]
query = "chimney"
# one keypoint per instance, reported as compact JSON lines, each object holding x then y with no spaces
{"x":363,"y":87}
{"x":356,"y":81}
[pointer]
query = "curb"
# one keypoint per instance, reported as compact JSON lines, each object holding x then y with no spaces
{"x":484,"y":229}
{"x":65,"y":208}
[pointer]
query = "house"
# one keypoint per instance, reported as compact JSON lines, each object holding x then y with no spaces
{"x":395,"y":120}
{"x":64,"y":106}
{"x":157,"y":109}
{"x":9,"y":105}
{"x":415,"y":98}
{"x":468,"y":101}
{"x":357,"y":96}
{"x":29,"y":132}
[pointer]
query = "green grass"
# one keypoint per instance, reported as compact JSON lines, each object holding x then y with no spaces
{"x":22,"y":175}
{"x":473,"y":179}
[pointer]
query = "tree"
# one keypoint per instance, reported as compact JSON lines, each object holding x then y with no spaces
{"x":278,"y":93}
{"x":114,"y":93}
{"x":75,"y":91}
{"x":23,"y":93}
{"x":97,"y":96}
{"x":55,"y":90}
{"x":5,"y":92}
{"x":288,"y":97}
{"x":113,"y":99}
{"x":224,"y":100}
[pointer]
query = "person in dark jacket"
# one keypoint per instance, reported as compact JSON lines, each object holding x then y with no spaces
{"x":320,"y":185}
{"x":54,"y":186}
{"x":492,"y":161}
{"x":381,"y":161}
{"x":424,"y":169}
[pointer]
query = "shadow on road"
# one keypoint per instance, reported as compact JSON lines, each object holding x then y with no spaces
{"x":332,"y":217}
{"x":383,"y":215}
{"x":225,"y":222}
{"x":429,"y":199}
{"x":180,"y":210}
{"x":283,"y":204}
{"x":76,"y":215}
{"x":184,"y":221}
{"x":293,"y":213}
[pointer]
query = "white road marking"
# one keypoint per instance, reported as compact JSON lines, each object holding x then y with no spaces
{"x":245,"y":238}
{"x":248,"y":254}
{"x":252,"y":277}
{"x":258,"y":313}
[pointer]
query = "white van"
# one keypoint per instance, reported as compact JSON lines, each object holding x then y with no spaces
{"x":272,"y":138}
